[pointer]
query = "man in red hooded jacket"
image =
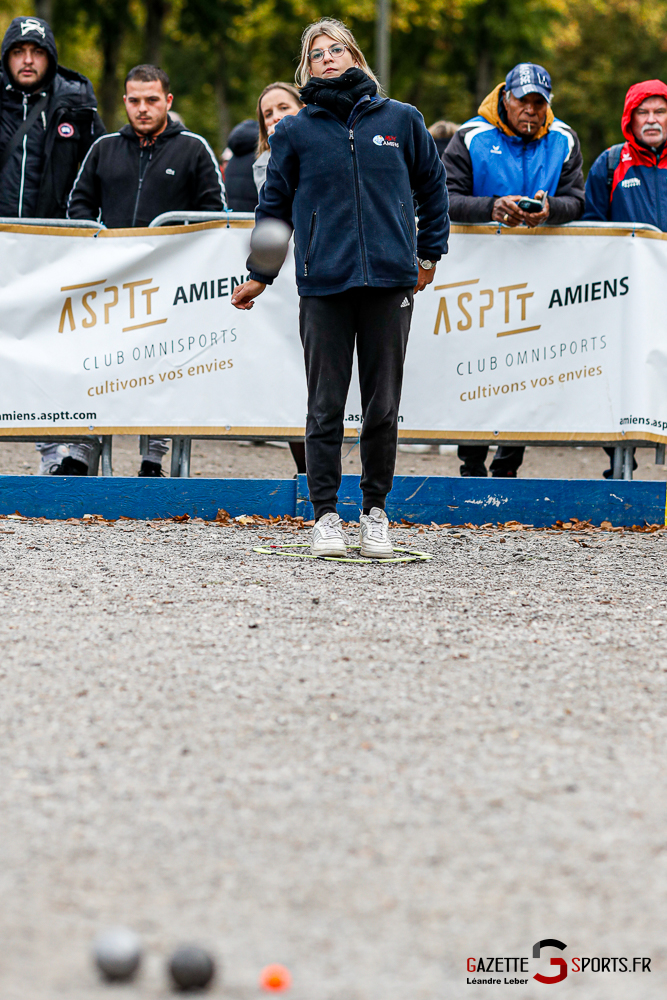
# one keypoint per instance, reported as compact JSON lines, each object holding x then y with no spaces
{"x":628,"y":182}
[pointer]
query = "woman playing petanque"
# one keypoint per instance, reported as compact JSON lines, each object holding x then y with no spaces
{"x":345,"y":173}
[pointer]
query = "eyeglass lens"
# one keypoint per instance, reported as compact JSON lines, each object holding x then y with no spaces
{"x":318,"y":54}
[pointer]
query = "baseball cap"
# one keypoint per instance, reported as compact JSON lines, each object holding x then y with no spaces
{"x":529,"y":78}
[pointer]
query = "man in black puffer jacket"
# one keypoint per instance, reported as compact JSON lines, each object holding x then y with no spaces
{"x":41,"y":166}
{"x":239,"y":181}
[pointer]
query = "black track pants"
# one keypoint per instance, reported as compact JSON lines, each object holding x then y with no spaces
{"x":378,"y":319}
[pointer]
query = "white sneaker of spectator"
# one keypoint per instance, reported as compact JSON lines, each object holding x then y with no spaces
{"x":374,"y":535}
{"x":327,"y":537}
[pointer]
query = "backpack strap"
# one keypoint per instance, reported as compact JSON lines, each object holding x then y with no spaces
{"x":613,"y":160}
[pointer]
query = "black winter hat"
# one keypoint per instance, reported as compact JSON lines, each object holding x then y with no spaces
{"x":243,"y":138}
{"x":31,"y":29}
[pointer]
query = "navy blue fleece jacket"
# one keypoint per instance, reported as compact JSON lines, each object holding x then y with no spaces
{"x":348,"y":193}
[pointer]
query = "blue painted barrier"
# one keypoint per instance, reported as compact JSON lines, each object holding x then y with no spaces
{"x":74,"y":496}
{"x":540,"y":502}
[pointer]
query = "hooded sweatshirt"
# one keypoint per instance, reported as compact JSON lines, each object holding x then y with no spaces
{"x":486,"y":160}
{"x":635,"y":189}
{"x":127,"y":181}
{"x":39,"y":174}
{"x":239,"y":183}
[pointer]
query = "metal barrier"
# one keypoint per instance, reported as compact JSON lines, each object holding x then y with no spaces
{"x":54,"y":223}
{"x":579,"y":224}
{"x":189,"y":218}
{"x":629,"y":226}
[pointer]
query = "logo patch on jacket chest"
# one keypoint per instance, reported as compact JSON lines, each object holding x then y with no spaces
{"x":65,"y":130}
{"x":631,"y":182}
{"x":385,"y":140}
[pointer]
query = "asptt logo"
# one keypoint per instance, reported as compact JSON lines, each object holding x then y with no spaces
{"x":93,"y":302}
{"x":476,"y":306}
{"x":559,"y":962}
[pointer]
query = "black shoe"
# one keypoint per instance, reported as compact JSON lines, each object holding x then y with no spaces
{"x":70,"y":467}
{"x":470,"y":471}
{"x":508,"y":474}
{"x":151,"y":470}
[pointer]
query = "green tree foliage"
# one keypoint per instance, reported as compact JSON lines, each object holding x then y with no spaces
{"x":446,"y":54}
{"x":601,"y":49}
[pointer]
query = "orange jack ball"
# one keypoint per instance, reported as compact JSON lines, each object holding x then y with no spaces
{"x":275,"y":979}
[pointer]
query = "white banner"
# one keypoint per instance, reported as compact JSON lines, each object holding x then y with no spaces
{"x":549,"y":335}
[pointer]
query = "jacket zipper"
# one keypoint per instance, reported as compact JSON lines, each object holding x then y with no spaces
{"x":24,"y":157}
{"x":410,"y":236}
{"x":313,"y":221}
{"x":356,"y":187}
{"x":358,"y":198}
{"x":142,"y":174}
{"x":523,"y":170}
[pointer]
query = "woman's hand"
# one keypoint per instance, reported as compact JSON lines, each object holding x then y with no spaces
{"x":425,"y":278}
{"x":245,"y":293}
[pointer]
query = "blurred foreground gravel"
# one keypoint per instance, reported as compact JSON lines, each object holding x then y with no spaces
{"x":365,"y":773}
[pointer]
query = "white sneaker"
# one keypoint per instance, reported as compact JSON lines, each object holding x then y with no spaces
{"x":327,"y":538}
{"x":374,"y":535}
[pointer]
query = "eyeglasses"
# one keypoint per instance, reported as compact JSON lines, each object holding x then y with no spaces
{"x":317,"y":55}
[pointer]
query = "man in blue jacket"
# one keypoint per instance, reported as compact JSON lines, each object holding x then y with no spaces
{"x":342,"y":173}
{"x":628,"y":181}
{"x":513,"y":149}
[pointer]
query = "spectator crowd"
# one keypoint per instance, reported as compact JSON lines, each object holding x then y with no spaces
{"x":514,"y":163}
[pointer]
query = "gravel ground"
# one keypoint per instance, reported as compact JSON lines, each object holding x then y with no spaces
{"x":231,"y":459}
{"x":368,"y":773}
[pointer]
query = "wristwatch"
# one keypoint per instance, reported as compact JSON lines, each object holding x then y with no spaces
{"x":428,"y":265}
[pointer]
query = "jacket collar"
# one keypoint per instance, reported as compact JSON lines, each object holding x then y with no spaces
{"x":645,"y":153}
{"x":173,"y":128}
{"x":490,"y":109}
{"x":314,"y":109}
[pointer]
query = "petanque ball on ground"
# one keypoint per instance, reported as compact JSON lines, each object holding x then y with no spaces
{"x":268,"y":246}
{"x":191,"y":967}
{"x":117,"y":953}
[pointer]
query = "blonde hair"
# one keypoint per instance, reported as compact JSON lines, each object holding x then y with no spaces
{"x":337,"y":31}
{"x":263,"y":140}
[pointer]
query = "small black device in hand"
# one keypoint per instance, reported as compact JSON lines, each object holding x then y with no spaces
{"x":531,"y":205}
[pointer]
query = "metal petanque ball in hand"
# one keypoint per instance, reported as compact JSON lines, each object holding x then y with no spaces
{"x":191,"y":967}
{"x":117,"y":953}
{"x":268,"y":246}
